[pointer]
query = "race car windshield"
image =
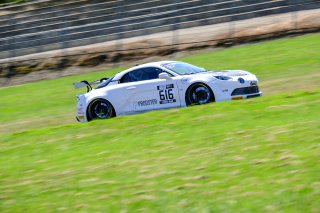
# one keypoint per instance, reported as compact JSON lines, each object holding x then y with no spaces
{"x":183,"y":68}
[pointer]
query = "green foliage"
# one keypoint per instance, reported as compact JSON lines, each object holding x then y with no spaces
{"x":257,"y":155}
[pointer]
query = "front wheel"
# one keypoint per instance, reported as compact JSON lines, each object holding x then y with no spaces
{"x":199,"y":94}
{"x":100,"y":109}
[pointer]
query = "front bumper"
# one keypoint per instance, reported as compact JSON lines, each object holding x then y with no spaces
{"x":245,"y":91}
{"x":240,"y":97}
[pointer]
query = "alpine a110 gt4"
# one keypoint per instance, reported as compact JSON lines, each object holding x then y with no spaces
{"x":161,"y":85}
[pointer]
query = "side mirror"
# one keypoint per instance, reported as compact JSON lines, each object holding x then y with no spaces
{"x":164,"y":75}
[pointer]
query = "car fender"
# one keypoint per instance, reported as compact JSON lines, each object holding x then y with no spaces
{"x":109,"y":95}
{"x":186,"y":81}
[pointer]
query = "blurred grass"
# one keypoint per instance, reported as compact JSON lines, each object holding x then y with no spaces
{"x":258,"y":155}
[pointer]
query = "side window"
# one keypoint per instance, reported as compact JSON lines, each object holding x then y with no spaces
{"x":151,"y":73}
{"x":135,"y":75}
{"x":143,"y":74}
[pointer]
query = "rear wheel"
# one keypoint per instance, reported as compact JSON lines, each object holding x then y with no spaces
{"x":199,"y":94}
{"x":100,"y":109}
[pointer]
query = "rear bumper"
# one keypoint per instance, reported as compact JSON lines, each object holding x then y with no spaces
{"x":81,"y":109}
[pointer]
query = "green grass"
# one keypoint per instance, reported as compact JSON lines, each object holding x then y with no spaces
{"x":257,"y":155}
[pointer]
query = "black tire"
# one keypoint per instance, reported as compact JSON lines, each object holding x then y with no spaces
{"x":100,"y":109}
{"x":199,"y":93}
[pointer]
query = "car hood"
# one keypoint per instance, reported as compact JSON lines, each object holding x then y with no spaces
{"x":230,"y":73}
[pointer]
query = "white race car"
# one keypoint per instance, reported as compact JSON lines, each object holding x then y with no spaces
{"x":161,"y":85}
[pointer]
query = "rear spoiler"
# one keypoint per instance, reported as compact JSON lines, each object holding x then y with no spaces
{"x":84,"y":83}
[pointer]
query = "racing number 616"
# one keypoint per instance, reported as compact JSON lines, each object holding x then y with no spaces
{"x":166,"y":94}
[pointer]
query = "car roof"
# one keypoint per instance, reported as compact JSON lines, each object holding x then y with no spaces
{"x":150,"y":64}
{"x":157,"y":63}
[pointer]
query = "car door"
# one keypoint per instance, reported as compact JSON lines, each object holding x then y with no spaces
{"x":145,"y":91}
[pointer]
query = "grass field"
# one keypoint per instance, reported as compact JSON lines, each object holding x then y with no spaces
{"x":257,"y":155}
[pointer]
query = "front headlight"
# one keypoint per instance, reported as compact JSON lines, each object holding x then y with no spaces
{"x":223,"y":77}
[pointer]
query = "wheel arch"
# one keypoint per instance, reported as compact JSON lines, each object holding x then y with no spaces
{"x":95,"y":100}
{"x":193,"y":84}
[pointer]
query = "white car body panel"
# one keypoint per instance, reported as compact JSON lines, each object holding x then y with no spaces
{"x":141,"y":96}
